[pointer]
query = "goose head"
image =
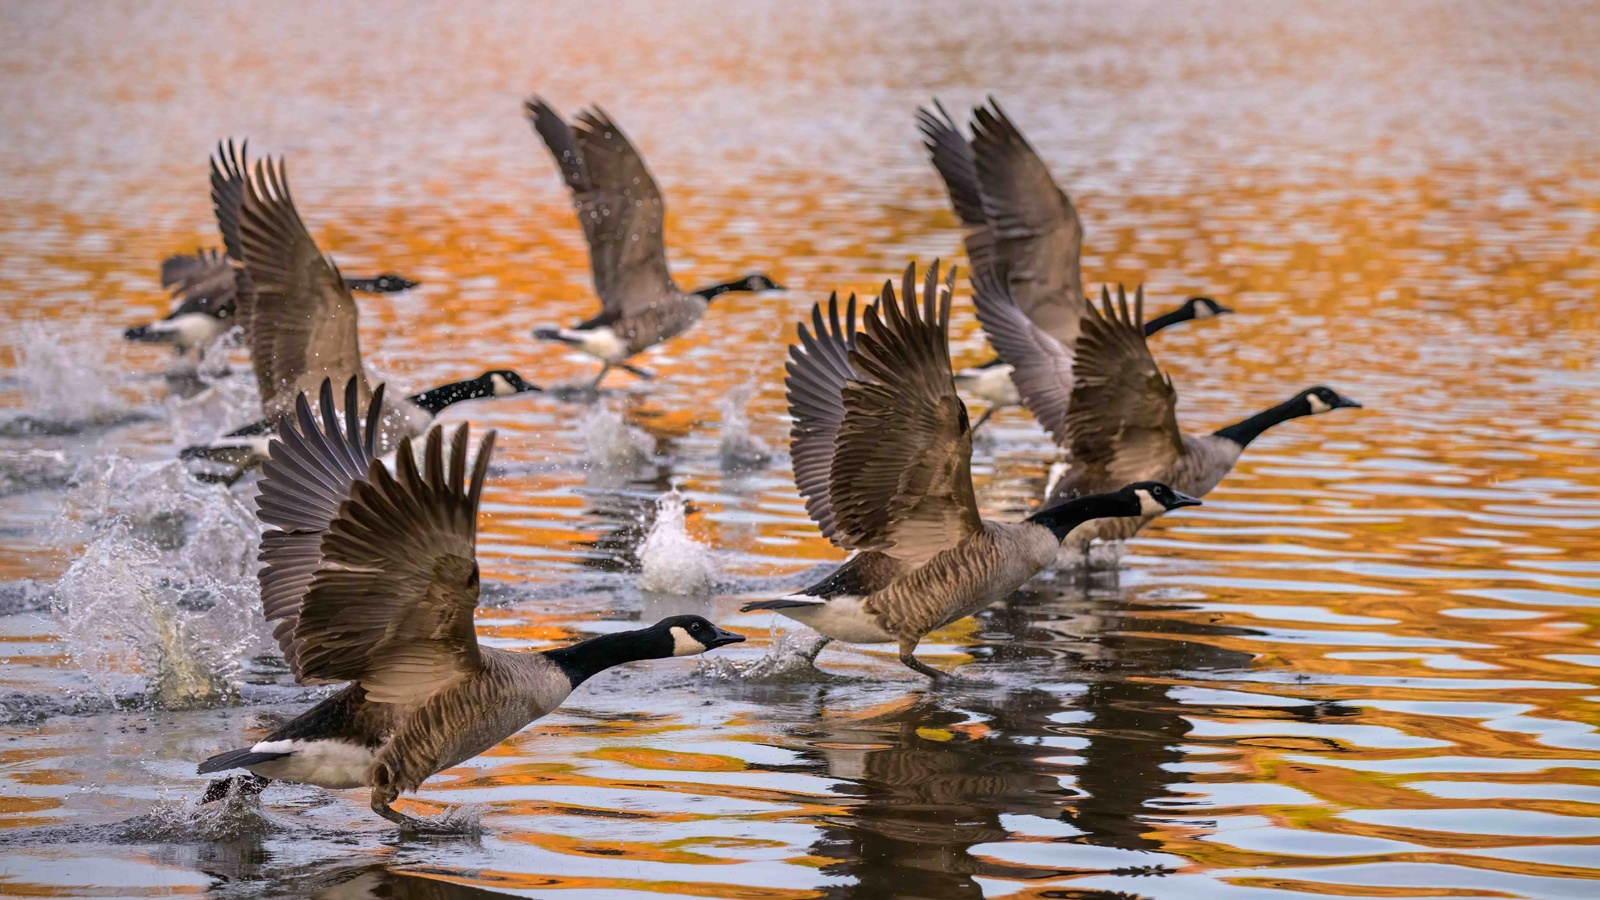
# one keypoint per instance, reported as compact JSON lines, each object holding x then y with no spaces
{"x":504,"y":383}
{"x":1154,"y":498}
{"x":1320,"y":399}
{"x":687,"y":636}
{"x":386,"y":283}
{"x":1203,"y":308}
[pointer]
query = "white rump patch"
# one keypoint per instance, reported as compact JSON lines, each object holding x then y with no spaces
{"x":843,"y":618}
{"x":601,"y":343}
{"x":328,"y":764}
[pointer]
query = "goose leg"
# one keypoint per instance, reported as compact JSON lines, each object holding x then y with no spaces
{"x":383,"y":796}
{"x":982,"y":419}
{"x":595,"y":384}
{"x":637,"y":372}
{"x":907,"y":647}
{"x":815,"y":649}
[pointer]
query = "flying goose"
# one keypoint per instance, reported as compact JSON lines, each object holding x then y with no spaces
{"x":882,"y":454}
{"x":1109,"y":405}
{"x":299,"y":320}
{"x":1017,"y":216}
{"x":372,"y":578}
{"x":204,"y":285}
{"x":622,"y":214}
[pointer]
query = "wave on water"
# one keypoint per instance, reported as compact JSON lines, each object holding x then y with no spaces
{"x":740,"y":450}
{"x":161,"y":604}
{"x":65,"y":385}
{"x":670,"y":561}
{"x":611,"y":444}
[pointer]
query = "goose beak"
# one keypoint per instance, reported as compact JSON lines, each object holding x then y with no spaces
{"x":1180,"y":500}
{"x":1346,"y":403}
{"x":721,"y":637}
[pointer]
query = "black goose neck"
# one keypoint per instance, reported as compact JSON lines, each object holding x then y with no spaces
{"x":1167,"y":319}
{"x":586,"y":659}
{"x":1243,"y":432}
{"x":1062,"y":518}
{"x":440,"y":397}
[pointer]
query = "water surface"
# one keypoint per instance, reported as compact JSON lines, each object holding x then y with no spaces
{"x":1367,"y":667}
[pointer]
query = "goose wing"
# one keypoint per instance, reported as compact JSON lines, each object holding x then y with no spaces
{"x":301,"y":319}
{"x":1033,"y":227}
{"x":818,"y":368}
{"x":957,"y":167}
{"x":229,"y":166}
{"x":1123,"y":423}
{"x":901,"y":478}
{"x":1041,"y":367}
{"x":200,"y":282}
{"x":619,"y":206}
{"x":387,"y":596}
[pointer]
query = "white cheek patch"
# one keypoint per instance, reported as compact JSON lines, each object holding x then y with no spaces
{"x":1202,"y":311}
{"x":1318,"y":405}
{"x":684,"y":645}
{"x":1148,"y":505}
{"x":502,"y":387}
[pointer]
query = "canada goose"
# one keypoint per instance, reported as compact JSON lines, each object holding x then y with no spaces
{"x":372,"y":578}
{"x":622,"y":214}
{"x":204,"y":285}
{"x":300,"y":322}
{"x":1109,"y":405}
{"x":1017,"y":216}
{"x":882,"y":454}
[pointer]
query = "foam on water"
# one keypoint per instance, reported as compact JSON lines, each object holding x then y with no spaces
{"x":64,"y":382}
{"x":162,"y":602}
{"x":740,"y":450}
{"x":671,"y":561}
{"x":611,"y":444}
{"x":790,"y":658}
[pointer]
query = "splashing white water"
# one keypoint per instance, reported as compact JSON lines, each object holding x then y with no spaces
{"x":232,"y":402}
{"x":162,"y":601}
{"x":671,"y":561}
{"x":64,"y":383}
{"x":740,"y":450}
{"x":791,"y":657}
{"x":611,"y":444}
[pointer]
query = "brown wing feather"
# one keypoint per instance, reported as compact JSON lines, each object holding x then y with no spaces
{"x":1123,"y":421}
{"x":302,"y":324}
{"x":901,"y":479}
{"x":1033,"y":228}
{"x":818,"y":368}
{"x":391,"y":605}
{"x":309,"y":474}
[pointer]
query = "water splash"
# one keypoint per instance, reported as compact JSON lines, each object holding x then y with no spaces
{"x":790,"y":658}
{"x":194,"y":419}
{"x":161,"y":604}
{"x":65,"y":385}
{"x":611,"y":444}
{"x":1100,"y":556}
{"x":672,"y":562}
{"x":740,"y":450}
{"x":31,"y":469}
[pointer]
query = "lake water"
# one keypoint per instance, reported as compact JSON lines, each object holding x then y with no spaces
{"x":1367,"y":667}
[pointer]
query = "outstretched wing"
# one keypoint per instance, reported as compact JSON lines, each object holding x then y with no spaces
{"x":901,"y":478}
{"x":618,"y":204}
{"x":952,"y":157}
{"x":1033,"y":231}
{"x":818,"y":369}
{"x":308,"y":476}
{"x":1041,"y":368}
{"x":390,"y":603}
{"x":302,"y":322}
{"x":1123,"y":421}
